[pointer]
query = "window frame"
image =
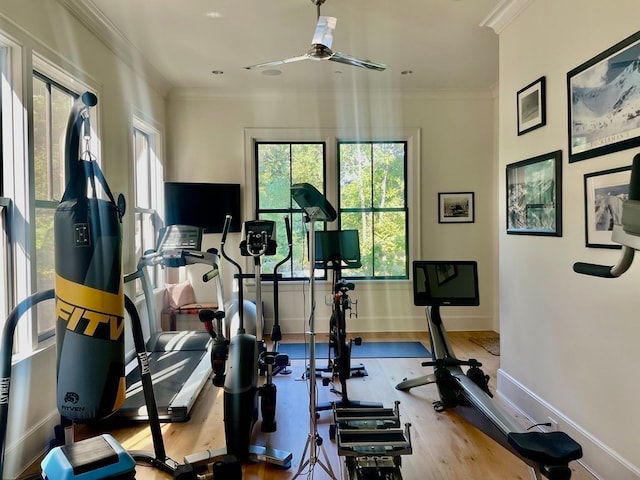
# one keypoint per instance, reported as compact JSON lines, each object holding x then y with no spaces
{"x":412,"y":137}
{"x":373,"y":209}
{"x":293,"y":211}
{"x":7,"y":301}
{"x":49,"y":203}
{"x":154,"y":202}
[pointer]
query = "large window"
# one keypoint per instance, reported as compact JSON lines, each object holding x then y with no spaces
{"x":148,"y":178}
{"x":52,"y":104}
{"x":367,"y":183}
{"x":373,"y":200}
{"x":278,"y":166}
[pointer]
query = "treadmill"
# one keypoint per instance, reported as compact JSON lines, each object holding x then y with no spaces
{"x":179,"y":361}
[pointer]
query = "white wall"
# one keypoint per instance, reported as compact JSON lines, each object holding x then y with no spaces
{"x":44,"y":27}
{"x":566,"y":340}
{"x":206,"y":143}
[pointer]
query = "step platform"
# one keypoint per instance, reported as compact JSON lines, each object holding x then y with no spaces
{"x":95,"y":458}
{"x":372,"y":442}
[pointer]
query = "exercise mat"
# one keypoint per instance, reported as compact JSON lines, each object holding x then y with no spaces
{"x":298,"y":351}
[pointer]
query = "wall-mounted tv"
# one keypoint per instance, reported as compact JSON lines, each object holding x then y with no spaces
{"x":203,"y":205}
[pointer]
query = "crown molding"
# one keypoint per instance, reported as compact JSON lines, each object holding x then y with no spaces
{"x":504,"y":13}
{"x":86,"y":12}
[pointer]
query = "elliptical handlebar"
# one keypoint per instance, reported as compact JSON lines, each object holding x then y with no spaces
{"x":287,"y":226}
{"x":627,"y":234}
{"x":225,"y":231}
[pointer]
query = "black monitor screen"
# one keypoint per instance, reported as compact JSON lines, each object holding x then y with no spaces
{"x":203,"y":205}
{"x":338,"y":245}
{"x":450,"y":283}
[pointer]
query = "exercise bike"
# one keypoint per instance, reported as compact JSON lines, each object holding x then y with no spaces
{"x":455,"y":283}
{"x":240,"y":381}
{"x":335,"y":250}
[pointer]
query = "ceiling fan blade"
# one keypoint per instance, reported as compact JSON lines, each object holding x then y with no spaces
{"x":357,"y":62}
{"x":324,"y":31}
{"x":278,"y":62}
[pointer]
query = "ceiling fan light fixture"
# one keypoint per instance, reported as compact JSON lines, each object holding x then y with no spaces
{"x":321,"y":44}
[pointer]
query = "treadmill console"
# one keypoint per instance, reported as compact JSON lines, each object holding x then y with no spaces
{"x":180,"y":237}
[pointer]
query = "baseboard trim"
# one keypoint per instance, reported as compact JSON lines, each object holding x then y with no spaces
{"x":599,"y":460}
{"x":17,"y":455}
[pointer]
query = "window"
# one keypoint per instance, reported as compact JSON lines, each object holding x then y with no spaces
{"x":373,"y":200}
{"x":52,"y":104}
{"x":367,"y":182}
{"x":280,"y":165}
{"x":148,"y":175}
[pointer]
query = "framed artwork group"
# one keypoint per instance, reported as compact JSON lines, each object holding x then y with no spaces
{"x":603,"y":103}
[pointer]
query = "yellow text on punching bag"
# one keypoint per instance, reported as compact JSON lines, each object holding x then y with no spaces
{"x":89,"y":311}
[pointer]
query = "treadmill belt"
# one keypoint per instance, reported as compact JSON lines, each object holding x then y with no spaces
{"x":171,"y":366}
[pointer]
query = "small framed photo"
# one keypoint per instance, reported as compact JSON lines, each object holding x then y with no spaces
{"x":531,"y":106}
{"x":456,"y":207}
{"x":534,"y":196}
{"x":604,"y":193}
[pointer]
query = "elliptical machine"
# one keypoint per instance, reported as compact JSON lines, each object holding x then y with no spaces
{"x":241,"y":391}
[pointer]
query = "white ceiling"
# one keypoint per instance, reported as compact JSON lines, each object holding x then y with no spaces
{"x":441,"y":42}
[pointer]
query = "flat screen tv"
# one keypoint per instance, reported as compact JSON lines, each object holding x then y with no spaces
{"x":445,"y":283}
{"x":203,"y":205}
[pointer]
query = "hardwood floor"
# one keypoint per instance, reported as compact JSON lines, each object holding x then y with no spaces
{"x":445,"y":446}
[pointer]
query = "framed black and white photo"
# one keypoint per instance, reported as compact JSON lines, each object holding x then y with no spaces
{"x":456,"y":207}
{"x":534,"y":196}
{"x":531,"y":106}
{"x":604,"y":193}
{"x":604,"y":101}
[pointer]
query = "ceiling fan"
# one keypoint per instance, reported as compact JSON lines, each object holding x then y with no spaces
{"x":321,"y":47}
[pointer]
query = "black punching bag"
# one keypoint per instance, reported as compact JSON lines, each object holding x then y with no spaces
{"x":88,"y":285}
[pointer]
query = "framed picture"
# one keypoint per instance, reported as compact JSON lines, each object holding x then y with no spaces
{"x":604,"y":193}
{"x":604,"y":102}
{"x":456,"y":207}
{"x":531,"y":106}
{"x":534,"y":196}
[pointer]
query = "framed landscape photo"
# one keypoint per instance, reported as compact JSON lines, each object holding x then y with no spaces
{"x":531,"y":106}
{"x":604,"y":193}
{"x":604,"y":102}
{"x":456,"y":207}
{"x":534,"y":196}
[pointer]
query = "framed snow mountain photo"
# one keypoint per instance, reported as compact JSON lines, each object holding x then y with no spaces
{"x":534,"y":196}
{"x":604,"y":102}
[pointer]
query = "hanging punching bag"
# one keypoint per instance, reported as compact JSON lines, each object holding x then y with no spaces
{"x":88,"y":285}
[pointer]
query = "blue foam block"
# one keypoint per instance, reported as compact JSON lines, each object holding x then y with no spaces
{"x":95,"y":458}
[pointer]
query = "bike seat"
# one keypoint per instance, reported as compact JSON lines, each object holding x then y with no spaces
{"x":551,"y":448}
{"x":343,"y":284}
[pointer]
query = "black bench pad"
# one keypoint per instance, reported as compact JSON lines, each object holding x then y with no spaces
{"x":550,"y":448}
